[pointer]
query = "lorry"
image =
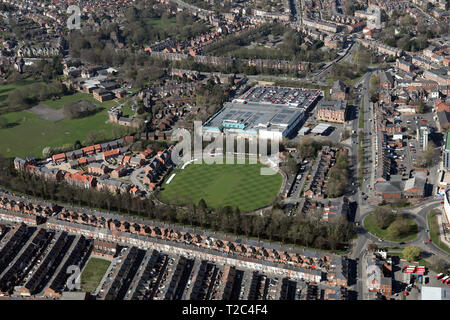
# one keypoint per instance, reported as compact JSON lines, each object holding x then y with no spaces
{"x":444,"y":279}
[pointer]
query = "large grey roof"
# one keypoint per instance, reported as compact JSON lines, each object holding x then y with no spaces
{"x":389,"y":187}
{"x":271,"y":108}
{"x":334,"y":105}
{"x":435,"y":293}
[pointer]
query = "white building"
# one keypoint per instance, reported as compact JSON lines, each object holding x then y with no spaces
{"x":422,"y":137}
{"x":435,"y":293}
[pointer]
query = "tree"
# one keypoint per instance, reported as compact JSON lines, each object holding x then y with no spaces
{"x":291,"y":41}
{"x":421,"y":107}
{"x":425,"y":158}
{"x":400,"y":227}
{"x":259,"y":226}
{"x":236,"y":220}
{"x":383,"y":217}
{"x":308,"y":148}
{"x":291,"y":164}
{"x":47,"y":152}
{"x":91,"y":137}
{"x":17,"y":98}
{"x":394,"y":229}
{"x":411,"y":253}
{"x":439,"y":265}
{"x":202,"y":205}
{"x":345,"y":134}
{"x":338,"y":176}
{"x":140,"y":109}
{"x":137,"y":146}
{"x":374,"y":90}
{"x":79,"y":109}
{"x":3,"y":122}
{"x":77,"y":145}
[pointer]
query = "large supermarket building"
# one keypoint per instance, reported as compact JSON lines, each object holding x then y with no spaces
{"x":265,"y":112}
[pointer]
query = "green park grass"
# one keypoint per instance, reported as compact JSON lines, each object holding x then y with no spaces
{"x":59,"y":103}
{"x":93,"y":274}
{"x":27,"y":133}
{"x":235,"y":185}
{"x":126,"y":110}
{"x":158,"y":22}
{"x":434,"y":231}
{"x":361,"y":115}
{"x":371,"y":226}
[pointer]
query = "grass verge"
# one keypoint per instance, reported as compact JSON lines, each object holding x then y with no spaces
{"x":93,"y":274}
{"x":371,"y":226}
{"x":434,"y":231}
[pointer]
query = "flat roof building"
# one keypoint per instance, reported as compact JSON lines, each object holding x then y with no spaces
{"x":266,"y":112}
{"x":320,"y":128}
{"x":332,"y":111}
{"x":304,"y":131}
{"x":435,"y":293}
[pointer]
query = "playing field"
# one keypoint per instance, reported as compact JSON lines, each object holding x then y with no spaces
{"x":222,"y":185}
{"x":59,"y":103}
{"x":93,"y":274}
{"x":28,"y":133}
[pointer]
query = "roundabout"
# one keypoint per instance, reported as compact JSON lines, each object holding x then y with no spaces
{"x":369,"y":223}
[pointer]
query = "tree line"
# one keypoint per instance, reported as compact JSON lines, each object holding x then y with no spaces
{"x":291,"y":47}
{"x":79,"y":109}
{"x":306,"y":230}
{"x":23,"y":98}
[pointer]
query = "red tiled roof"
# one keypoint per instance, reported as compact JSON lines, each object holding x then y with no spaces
{"x":59,"y":156}
{"x":119,"y":167}
{"x":111,"y":152}
{"x":442,"y":106}
{"x":79,"y":176}
{"x":88,"y":149}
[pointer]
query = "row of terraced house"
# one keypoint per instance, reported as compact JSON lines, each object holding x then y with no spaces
{"x":86,"y":167}
{"x":299,"y":264}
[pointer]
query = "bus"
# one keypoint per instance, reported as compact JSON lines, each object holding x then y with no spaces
{"x":439,"y":276}
{"x":409,"y":269}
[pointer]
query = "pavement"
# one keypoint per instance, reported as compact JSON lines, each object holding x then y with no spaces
{"x":442,"y":233}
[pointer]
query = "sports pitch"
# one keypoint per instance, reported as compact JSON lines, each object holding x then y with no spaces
{"x":235,"y":185}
